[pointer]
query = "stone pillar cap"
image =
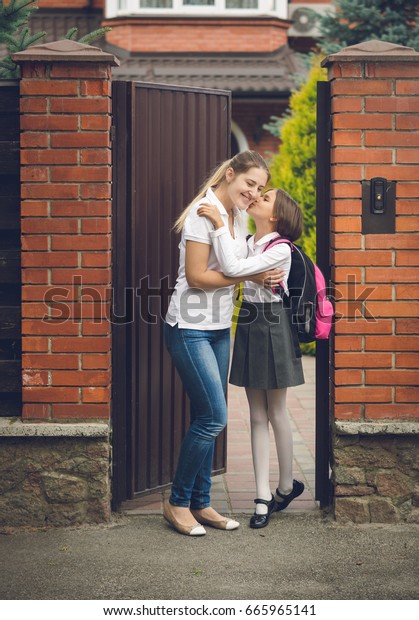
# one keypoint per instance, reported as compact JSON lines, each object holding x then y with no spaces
{"x":374,"y":51}
{"x":65,"y":51}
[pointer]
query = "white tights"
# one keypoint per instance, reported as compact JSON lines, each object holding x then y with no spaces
{"x":270,"y":406}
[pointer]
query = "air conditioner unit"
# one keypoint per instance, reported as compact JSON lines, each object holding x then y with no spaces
{"x":305,"y":19}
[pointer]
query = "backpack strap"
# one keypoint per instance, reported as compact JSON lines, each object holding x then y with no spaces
{"x":274,"y":241}
{"x":277,"y":240}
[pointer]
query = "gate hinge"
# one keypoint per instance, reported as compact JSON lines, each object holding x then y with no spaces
{"x":329,"y":128}
{"x":112,"y":132}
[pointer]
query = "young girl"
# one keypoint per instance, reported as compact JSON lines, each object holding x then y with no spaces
{"x":197,"y":334}
{"x":266,"y":357}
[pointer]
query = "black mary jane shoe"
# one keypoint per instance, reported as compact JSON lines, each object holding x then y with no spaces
{"x":258,"y":521}
{"x":282,"y":501}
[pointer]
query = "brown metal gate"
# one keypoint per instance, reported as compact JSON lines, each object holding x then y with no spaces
{"x":166,"y":140}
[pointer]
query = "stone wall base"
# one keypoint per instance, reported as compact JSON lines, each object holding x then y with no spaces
{"x":376,"y":479}
{"x":54,"y":481}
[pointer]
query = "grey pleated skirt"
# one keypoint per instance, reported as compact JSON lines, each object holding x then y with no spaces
{"x":266,"y":351}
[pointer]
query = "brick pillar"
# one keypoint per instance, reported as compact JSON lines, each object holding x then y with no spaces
{"x":66,"y":276}
{"x":375,"y":107}
{"x":66,"y":231}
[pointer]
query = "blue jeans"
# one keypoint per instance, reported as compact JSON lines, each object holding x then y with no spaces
{"x":201,"y":359}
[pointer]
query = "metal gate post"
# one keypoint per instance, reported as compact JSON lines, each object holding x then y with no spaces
{"x":323,"y":348}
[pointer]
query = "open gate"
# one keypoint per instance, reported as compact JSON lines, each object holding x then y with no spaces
{"x":166,"y":140}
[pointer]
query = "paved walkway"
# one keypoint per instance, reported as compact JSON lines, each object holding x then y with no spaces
{"x":233,"y":492}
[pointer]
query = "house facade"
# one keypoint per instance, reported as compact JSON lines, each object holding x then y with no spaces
{"x":246,"y":46}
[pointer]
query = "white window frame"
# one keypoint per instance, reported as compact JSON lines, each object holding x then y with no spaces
{"x":274,"y":8}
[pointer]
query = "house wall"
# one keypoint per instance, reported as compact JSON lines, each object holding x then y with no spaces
{"x":375,"y":367}
{"x":197,"y":35}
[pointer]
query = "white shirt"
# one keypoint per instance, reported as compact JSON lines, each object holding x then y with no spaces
{"x":195,"y":308}
{"x":276,"y":257}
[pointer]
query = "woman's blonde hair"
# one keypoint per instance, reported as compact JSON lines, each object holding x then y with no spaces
{"x":242,"y":162}
{"x":288,"y":214}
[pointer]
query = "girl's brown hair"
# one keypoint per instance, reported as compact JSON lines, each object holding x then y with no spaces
{"x":289,"y":216}
{"x":242,"y":162}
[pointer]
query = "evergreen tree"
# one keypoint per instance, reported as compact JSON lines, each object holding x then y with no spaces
{"x":355,"y":21}
{"x":15,"y":34}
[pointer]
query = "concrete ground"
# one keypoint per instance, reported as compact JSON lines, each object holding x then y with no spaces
{"x":297,"y":557}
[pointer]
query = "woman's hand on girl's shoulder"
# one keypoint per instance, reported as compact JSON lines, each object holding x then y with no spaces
{"x":212,"y":213}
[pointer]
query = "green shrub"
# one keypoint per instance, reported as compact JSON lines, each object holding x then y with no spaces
{"x":294,"y":167}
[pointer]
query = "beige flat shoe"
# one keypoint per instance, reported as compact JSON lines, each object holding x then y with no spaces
{"x":188,"y":530}
{"x":219,"y":524}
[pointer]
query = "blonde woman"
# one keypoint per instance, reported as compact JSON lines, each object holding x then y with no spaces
{"x":197,"y":334}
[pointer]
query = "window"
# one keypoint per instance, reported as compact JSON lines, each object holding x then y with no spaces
{"x":277,"y":8}
{"x":170,"y":4}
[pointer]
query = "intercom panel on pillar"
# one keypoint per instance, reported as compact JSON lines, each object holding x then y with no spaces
{"x":378,"y":206}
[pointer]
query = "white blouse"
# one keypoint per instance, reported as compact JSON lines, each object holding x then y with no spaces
{"x":276,"y":257}
{"x":195,"y":308}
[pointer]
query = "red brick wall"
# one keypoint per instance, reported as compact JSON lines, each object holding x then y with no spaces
{"x":66,"y":239}
{"x":375,"y":133}
{"x":197,"y":35}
